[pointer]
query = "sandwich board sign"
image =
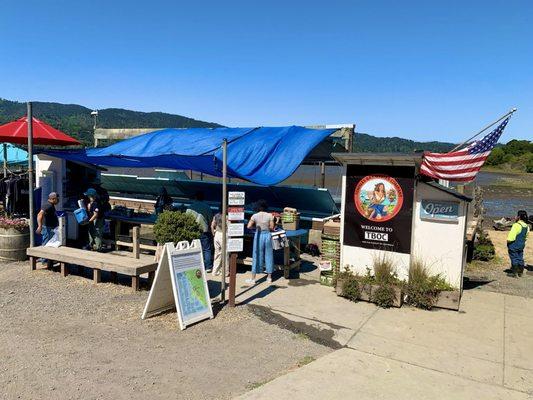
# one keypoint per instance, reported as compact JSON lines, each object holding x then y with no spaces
{"x":180,"y":281}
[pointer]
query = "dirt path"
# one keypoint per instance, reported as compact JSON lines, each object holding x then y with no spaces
{"x":65,"y":338}
{"x":491,"y":275}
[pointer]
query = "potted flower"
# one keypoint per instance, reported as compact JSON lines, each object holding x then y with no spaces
{"x":14,"y":238}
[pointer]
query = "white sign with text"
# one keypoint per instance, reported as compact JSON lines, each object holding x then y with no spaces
{"x":236,"y":229}
{"x":236,"y":198}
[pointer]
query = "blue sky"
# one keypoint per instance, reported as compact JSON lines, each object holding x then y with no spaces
{"x":421,"y":69}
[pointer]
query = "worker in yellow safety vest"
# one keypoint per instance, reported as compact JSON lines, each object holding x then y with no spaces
{"x":516,"y":242}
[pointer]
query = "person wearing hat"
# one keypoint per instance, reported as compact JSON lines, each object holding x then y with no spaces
{"x":516,"y":242}
{"x":96,"y":220}
{"x":47,"y":219}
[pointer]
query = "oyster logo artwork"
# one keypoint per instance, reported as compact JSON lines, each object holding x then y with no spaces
{"x":378,"y":198}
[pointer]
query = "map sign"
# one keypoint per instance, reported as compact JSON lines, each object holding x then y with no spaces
{"x":193,"y":297}
{"x":180,"y":281}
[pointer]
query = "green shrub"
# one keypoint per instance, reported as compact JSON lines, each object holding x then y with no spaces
{"x":420,"y":292}
{"x":383,"y":296}
{"x":175,"y":226}
{"x":351,"y":288}
{"x":483,"y":252}
{"x":484,"y":248}
{"x":529,"y":164}
{"x":347,"y":273}
{"x":422,"y":289}
{"x":384,"y":270}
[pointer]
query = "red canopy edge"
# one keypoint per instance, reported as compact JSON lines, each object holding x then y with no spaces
{"x":43,"y":134}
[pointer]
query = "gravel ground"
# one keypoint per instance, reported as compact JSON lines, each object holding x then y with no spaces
{"x":492,"y":276}
{"x":66,"y":338}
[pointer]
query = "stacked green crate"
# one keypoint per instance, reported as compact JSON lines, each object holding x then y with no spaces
{"x":331,"y":252}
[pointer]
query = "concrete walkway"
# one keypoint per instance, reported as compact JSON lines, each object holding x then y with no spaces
{"x":484,"y":351}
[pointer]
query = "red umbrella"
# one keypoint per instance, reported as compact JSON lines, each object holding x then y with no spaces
{"x":43,"y":134}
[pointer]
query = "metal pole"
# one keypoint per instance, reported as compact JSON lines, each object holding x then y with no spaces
{"x":5,"y":160}
{"x":483,"y":130}
{"x":224,"y":216}
{"x":322,"y":174}
{"x":30,"y":173}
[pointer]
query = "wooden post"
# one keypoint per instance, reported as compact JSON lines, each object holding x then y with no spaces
{"x":118,"y":225}
{"x":33,"y":263}
{"x":64,"y":269}
{"x":135,"y":282}
{"x":136,"y":246}
{"x":322,"y":174}
{"x":97,"y":275}
{"x":232,"y":279}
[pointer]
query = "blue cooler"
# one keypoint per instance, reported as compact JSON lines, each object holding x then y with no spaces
{"x":81,"y":216}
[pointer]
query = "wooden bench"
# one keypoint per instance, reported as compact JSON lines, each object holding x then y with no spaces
{"x":97,"y":261}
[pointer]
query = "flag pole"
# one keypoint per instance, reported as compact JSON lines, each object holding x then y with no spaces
{"x":483,"y":130}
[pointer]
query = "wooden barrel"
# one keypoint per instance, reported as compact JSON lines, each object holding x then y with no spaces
{"x":13,"y":244}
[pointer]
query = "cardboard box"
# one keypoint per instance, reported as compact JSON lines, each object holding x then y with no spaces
{"x":315,"y":237}
{"x":332,"y":228}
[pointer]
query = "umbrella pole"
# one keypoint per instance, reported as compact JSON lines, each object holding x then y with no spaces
{"x":30,"y":173}
{"x":224,"y":216}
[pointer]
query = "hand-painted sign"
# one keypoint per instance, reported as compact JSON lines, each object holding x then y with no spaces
{"x":379,"y":207}
{"x":235,"y":213}
{"x":439,"y":210}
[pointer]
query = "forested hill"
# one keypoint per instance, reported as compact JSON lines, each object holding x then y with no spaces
{"x":77,"y":121}
{"x":367,"y":143}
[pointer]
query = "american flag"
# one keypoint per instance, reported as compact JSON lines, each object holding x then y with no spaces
{"x":462,"y":165}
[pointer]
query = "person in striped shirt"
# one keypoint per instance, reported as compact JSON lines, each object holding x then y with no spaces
{"x":516,"y":242}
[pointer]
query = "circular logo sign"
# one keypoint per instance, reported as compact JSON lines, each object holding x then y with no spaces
{"x":378,"y":197}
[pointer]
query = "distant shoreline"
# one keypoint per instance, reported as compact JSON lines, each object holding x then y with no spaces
{"x":495,"y":170}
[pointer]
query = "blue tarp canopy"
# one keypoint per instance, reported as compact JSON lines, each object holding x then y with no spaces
{"x":15,"y":155}
{"x":265,"y":156}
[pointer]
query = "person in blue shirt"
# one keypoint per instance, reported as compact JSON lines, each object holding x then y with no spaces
{"x":96,"y":220}
{"x":516,"y":242}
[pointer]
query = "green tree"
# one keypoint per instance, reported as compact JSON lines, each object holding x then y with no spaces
{"x":175,"y":226}
{"x":496,"y":157}
{"x":529,"y":164}
{"x":518,"y":147}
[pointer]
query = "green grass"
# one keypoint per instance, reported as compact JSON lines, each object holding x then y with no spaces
{"x":255,"y":385}
{"x":301,"y":336}
{"x":306,"y":360}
